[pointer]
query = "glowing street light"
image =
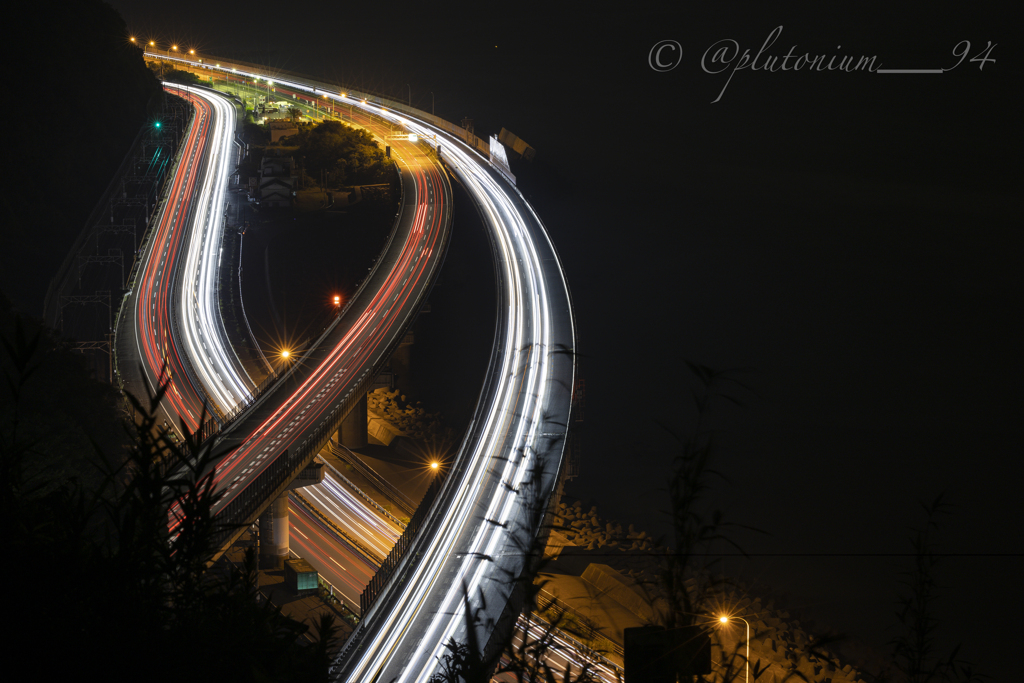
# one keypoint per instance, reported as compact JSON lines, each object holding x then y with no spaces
{"x":337,"y":300}
{"x":285,"y":354}
{"x":435,"y":465}
{"x":725,"y":620}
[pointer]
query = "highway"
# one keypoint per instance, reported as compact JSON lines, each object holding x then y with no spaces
{"x":148,"y":330}
{"x":343,"y":567}
{"x":484,"y":516}
{"x":507,"y":466}
{"x":321,"y":380}
{"x":333,"y":499}
{"x":176,"y":309}
{"x":202,"y":333}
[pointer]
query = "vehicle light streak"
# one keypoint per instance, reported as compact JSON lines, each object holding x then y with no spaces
{"x":153,"y":306}
{"x":518,"y":428}
{"x":202,"y":329}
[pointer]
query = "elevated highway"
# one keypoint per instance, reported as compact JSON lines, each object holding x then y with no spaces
{"x":172,"y":288}
{"x":489,"y":507}
{"x":171,"y":316}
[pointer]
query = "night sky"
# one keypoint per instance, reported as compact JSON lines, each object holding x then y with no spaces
{"x":851,"y":239}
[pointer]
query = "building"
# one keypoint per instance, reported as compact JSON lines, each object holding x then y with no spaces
{"x":277,"y":181}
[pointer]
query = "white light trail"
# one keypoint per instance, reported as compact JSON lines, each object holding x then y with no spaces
{"x":500,"y":461}
{"x":200,"y":326}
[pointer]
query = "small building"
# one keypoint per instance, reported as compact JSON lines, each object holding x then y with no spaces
{"x":301,"y":577}
{"x":277,"y":181}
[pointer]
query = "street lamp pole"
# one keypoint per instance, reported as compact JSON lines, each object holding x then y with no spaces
{"x":410,"y":93}
{"x":431,"y":103}
{"x":746,"y":662}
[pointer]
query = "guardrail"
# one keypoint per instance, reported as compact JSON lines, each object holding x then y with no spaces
{"x":581,"y":646}
{"x":391,"y":562}
{"x":271,"y":482}
{"x":380,"y":482}
{"x":212,"y":427}
{"x":227,"y":66}
{"x":147,"y":236}
{"x":348,"y":482}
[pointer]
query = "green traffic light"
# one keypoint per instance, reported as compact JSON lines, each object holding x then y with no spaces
{"x":157,"y":124}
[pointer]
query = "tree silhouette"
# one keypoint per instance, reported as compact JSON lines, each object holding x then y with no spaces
{"x":108,"y":585}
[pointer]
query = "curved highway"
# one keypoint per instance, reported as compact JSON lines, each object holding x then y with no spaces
{"x":508,"y":463}
{"x":506,"y":469}
{"x":148,"y":330}
{"x":178,"y":286}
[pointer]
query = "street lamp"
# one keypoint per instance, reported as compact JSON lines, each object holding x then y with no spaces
{"x":725,"y":620}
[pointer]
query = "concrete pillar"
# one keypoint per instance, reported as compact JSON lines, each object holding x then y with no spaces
{"x":353,"y":427}
{"x":401,"y":362}
{"x":274,"y":534}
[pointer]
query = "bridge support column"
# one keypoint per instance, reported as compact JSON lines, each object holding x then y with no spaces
{"x":353,"y":427}
{"x":274,"y":534}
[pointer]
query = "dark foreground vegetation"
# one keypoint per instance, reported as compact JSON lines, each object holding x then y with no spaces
{"x":96,"y":586}
{"x":96,"y":583}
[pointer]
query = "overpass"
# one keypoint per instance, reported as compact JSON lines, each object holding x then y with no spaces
{"x":172,"y":312}
{"x":506,"y":468}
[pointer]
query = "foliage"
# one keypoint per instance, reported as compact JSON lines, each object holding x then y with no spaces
{"x":682,"y":595}
{"x":349,"y":155}
{"x":524,"y":650}
{"x":913,"y":651}
{"x":133,"y":600}
{"x":180,"y":76}
{"x":62,"y":432}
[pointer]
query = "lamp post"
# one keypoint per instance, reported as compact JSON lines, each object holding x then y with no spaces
{"x":746,"y":663}
{"x":410,"y":93}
